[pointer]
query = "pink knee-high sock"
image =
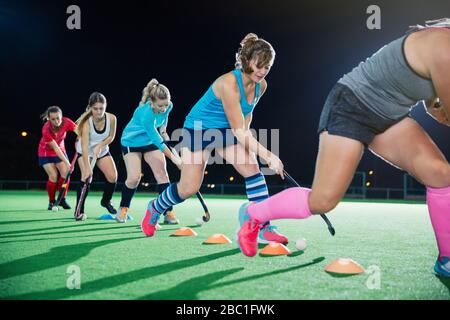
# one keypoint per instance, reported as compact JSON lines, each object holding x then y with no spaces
{"x":291,"y":203}
{"x":438,"y":201}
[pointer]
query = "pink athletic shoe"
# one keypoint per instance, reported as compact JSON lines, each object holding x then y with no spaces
{"x":150,"y":221}
{"x":270,"y":234}
{"x":248,"y":233}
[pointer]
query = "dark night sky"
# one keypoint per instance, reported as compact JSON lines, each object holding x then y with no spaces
{"x":186,"y":45}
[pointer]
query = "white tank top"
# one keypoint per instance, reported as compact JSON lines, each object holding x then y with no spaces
{"x":95,"y":137}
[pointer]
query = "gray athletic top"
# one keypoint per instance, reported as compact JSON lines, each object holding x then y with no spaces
{"x":386,"y":83}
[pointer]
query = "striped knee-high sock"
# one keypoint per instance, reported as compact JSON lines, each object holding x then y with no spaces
{"x":256,"y":188}
{"x":167,"y":199}
{"x":160,"y":188}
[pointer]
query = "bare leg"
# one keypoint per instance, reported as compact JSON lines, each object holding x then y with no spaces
{"x":157,"y":162}
{"x":336,"y":164}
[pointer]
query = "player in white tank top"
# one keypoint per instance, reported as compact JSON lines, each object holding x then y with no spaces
{"x":97,"y":129}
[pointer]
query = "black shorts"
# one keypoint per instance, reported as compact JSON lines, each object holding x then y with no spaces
{"x":209,"y":139}
{"x":345,"y":115}
{"x":55,"y":159}
{"x":108,"y":154}
{"x":143,"y":149}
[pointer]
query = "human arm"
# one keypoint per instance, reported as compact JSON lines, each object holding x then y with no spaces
{"x":148,"y":121}
{"x":84,"y":140}
{"x":228,"y":92}
{"x":435,"y":109}
{"x":440,"y":75}
{"x":59,"y":153}
{"x":163,"y":132}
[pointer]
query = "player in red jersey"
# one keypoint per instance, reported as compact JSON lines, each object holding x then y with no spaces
{"x":52,"y":152}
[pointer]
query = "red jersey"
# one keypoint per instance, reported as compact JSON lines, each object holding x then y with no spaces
{"x":48,"y":134}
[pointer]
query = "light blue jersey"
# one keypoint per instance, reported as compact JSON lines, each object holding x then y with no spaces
{"x":208,"y":112}
{"x":142,"y":129}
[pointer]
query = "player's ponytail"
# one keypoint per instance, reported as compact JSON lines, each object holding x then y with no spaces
{"x":45,"y":116}
{"x":154,"y":90}
{"x":251,"y":48}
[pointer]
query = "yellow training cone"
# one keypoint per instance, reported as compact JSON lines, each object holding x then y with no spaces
{"x":275,"y":249}
{"x":217,"y":238}
{"x":184,"y":232}
{"x":344,"y":266}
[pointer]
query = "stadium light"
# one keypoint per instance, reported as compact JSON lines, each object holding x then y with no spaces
{"x":231,"y":179}
{"x":24,"y":133}
{"x":368,"y":184}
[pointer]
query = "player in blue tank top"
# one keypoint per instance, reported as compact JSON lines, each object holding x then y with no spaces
{"x":225,"y":113}
{"x":144,"y":136}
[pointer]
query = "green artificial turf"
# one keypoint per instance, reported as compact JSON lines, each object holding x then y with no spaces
{"x":40,"y":248}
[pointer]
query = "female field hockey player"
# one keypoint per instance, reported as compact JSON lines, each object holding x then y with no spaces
{"x":369,"y":107}
{"x":52,"y":153}
{"x":226,"y":108}
{"x":144,"y":137}
{"x":97,"y":129}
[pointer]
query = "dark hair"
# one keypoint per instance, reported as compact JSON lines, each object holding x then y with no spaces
{"x":45,"y":116}
{"x":253,"y":47}
{"x":94,"y":98}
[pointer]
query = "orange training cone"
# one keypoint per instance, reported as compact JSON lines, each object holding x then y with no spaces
{"x":217,"y":238}
{"x":344,"y":266}
{"x":274,"y":249}
{"x":184,"y":232}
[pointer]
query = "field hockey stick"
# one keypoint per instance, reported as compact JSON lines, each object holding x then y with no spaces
{"x":205,"y":208}
{"x":324,"y":217}
{"x":85,"y":187}
{"x":65,"y":186}
{"x":206,"y":216}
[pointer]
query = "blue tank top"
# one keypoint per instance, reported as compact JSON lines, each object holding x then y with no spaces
{"x":208,"y":112}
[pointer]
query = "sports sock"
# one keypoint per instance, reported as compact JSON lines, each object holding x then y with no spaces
{"x":438,"y":201}
{"x":127,"y":196}
{"x":167,"y":199}
{"x":291,"y":203}
{"x":108,"y":192}
{"x":161,"y":187}
{"x":257,"y":191}
{"x":51,"y":190}
{"x":60,"y":185}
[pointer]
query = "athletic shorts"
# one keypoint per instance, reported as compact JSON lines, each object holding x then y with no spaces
{"x":345,"y":115}
{"x":144,"y":149}
{"x":44,"y":160}
{"x":108,"y":154}
{"x":210,"y":139}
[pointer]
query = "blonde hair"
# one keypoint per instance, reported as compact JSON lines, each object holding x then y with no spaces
{"x":438,"y":23}
{"x":154,"y":90}
{"x":251,"y":48}
{"x":93,"y":99}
